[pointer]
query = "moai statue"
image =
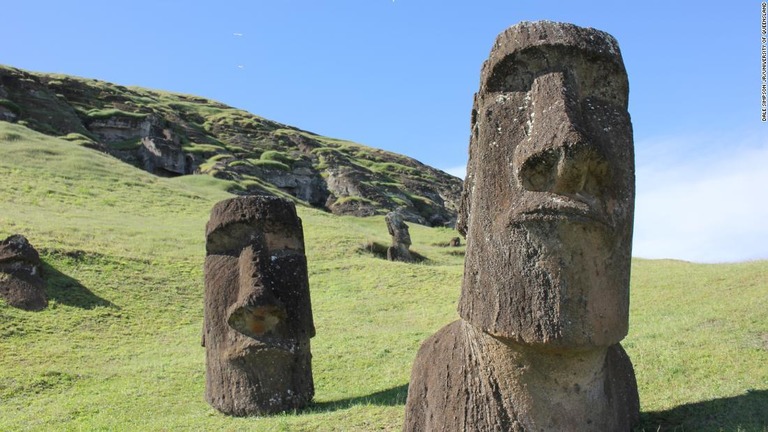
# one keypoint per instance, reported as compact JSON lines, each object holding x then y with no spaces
{"x":258,"y":316}
{"x":547,"y":211}
{"x":401,"y":239}
{"x":21,"y":282}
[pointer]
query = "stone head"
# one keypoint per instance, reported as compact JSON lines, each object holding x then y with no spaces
{"x":548,"y":201}
{"x":257,"y":289}
{"x":21,"y":282}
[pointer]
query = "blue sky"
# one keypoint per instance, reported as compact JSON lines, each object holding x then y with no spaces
{"x":400,"y":75}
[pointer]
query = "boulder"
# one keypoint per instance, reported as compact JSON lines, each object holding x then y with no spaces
{"x":21,"y":282}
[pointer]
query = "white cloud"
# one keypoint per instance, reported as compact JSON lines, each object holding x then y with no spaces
{"x":702,"y":199}
{"x":458,"y":171}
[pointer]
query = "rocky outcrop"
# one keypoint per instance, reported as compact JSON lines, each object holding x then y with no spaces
{"x":119,"y":127}
{"x":163,"y":157}
{"x":302,"y":181}
{"x":171,"y":134}
{"x":21,"y":281}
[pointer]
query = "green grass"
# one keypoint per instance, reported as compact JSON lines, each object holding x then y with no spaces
{"x":119,"y":346}
{"x":270,"y":164}
{"x":99,"y":114}
{"x":277,"y":156}
{"x":78,"y":139}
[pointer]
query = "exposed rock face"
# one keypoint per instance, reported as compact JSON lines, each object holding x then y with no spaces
{"x":118,"y":127}
{"x":21,"y":282}
{"x":303,"y":181}
{"x":164,"y":157}
{"x":547,"y":210}
{"x":258,"y":314}
{"x":7,"y":114}
{"x":401,"y":238}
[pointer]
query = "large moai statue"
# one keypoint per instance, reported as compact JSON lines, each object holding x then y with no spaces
{"x":547,"y":211}
{"x":21,"y":281}
{"x":258,"y":315}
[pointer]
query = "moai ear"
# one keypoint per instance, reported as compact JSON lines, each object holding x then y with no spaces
{"x":465,"y":205}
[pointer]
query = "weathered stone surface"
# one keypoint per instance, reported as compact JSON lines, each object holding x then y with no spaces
{"x":118,"y":128}
{"x":21,"y":282}
{"x":164,"y":157}
{"x":547,"y":211}
{"x":7,"y":114}
{"x":401,"y":238}
{"x":303,"y":182}
{"x":258,"y":314}
{"x":467,"y":380}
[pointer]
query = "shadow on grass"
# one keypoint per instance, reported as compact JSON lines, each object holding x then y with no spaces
{"x":69,"y":291}
{"x":747,"y":412}
{"x":390,"y":397}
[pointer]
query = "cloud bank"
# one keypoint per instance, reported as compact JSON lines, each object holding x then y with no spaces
{"x":702,"y":199}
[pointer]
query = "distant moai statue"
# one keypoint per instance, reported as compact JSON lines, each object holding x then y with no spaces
{"x":547,"y":211}
{"x":401,"y":238}
{"x":258,"y":315}
{"x":21,"y":281}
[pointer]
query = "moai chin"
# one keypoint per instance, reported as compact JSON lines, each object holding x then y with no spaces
{"x":547,"y":210}
{"x":258,"y":315}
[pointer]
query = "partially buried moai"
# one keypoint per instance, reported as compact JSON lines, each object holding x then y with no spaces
{"x":547,"y":210}
{"x":399,"y":250}
{"x":21,"y":282}
{"x":258,"y":315}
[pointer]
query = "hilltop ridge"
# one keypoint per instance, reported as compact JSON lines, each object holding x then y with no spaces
{"x":170,"y":134}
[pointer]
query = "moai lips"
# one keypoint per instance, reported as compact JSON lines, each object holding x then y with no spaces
{"x":547,"y":210}
{"x":258,"y":315}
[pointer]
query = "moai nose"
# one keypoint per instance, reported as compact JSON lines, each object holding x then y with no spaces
{"x":257,"y":312}
{"x":558,"y":156}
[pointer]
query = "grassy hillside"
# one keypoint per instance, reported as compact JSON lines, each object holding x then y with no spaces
{"x":119,"y":346}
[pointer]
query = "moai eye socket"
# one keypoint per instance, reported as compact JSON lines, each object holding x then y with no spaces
{"x":231,"y":239}
{"x":592,"y":76}
{"x":538,"y":172}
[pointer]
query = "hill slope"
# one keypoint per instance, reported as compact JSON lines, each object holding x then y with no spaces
{"x":172,"y":135}
{"x":119,"y":346}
